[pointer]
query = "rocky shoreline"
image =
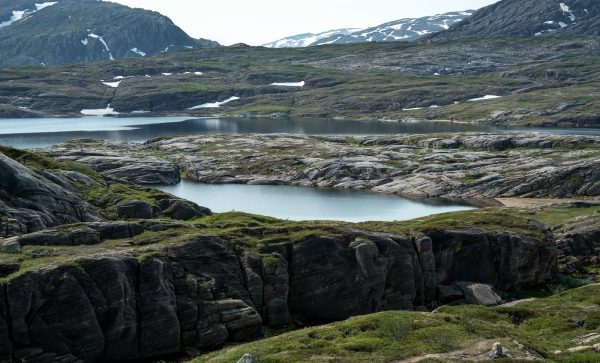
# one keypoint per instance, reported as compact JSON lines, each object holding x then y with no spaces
{"x":476,"y":167}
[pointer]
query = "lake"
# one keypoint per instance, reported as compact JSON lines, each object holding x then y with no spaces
{"x":303,"y":203}
{"x":44,"y":132}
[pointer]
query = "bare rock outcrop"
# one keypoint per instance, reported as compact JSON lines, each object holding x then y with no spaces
{"x":578,"y":242}
{"x":202,"y":293}
{"x":31,"y":202}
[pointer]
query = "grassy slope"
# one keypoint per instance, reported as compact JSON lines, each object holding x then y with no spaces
{"x":540,"y":326}
{"x":355,"y":81}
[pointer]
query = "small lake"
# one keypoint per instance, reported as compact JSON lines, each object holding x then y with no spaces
{"x":44,"y":132}
{"x":302,"y":203}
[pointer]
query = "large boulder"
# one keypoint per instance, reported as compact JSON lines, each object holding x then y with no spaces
{"x":30,"y":202}
{"x":136,"y":209}
{"x":182,"y":209}
{"x":480,"y":294}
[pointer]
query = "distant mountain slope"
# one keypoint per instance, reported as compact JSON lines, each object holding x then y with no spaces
{"x":64,"y":31}
{"x":404,"y":29}
{"x":530,"y":17}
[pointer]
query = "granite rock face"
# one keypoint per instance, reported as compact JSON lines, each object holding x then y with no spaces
{"x":147,"y":171}
{"x":131,"y":305}
{"x":449,"y":167}
{"x":31,"y":202}
{"x":578,"y":242}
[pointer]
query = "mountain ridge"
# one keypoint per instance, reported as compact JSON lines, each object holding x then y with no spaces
{"x":529,"y":18}
{"x":408,"y":29}
{"x":67,"y":31}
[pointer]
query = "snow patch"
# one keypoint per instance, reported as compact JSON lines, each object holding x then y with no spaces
{"x":216,"y":104}
{"x":412,"y":109}
{"x":140,"y":112}
{"x":167,"y":74}
{"x":137,"y":51}
{"x":106,"y":48}
{"x":16,"y":16}
{"x":85,"y":42}
{"x":99,"y":111}
{"x":45,"y":5}
{"x":565,"y":9}
{"x":112,"y":84}
{"x":289,"y":84}
{"x":484,"y":98}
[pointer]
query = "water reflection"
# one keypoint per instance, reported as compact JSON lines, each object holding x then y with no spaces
{"x":36,"y":133}
{"x":300,"y":203}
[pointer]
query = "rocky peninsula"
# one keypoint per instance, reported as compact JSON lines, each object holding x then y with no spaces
{"x":477,"y":166}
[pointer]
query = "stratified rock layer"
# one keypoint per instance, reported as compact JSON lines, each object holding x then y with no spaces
{"x":460,"y":166}
{"x":199,"y":292}
{"x":30,"y":202}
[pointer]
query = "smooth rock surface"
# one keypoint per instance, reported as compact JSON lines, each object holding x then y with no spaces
{"x":451,"y":167}
{"x":30,"y":202}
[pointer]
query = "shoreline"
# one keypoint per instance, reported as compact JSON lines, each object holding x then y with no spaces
{"x":408,"y":120}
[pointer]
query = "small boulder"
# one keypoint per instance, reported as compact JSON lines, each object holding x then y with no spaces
{"x":248,"y":358}
{"x":480,"y":294}
{"x":497,"y":351}
{"x":135,"y":209}
{"x":580,"y":349}
{"x":596,"y":347}
{"x":11,"y":245}
{"x":183,"y":209}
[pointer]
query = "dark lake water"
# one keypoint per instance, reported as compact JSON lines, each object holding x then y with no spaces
{"x":43,"y":132}
{"x":301,"y":203}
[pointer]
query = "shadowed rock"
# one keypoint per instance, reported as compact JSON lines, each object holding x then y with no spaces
{"x":30,"y":202}
{"x":199,"y":293}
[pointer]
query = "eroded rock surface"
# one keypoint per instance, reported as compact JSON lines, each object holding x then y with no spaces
{"x":31,"y":202}
{"x":142,"y":171}
{"x":460,"y":166}
{"x":578,"y":242}
{"x":135,"y":304}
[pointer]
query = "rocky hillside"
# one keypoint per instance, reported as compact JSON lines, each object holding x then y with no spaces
{"x":133,"y":280}
{"x":440,"y":81}
{"x":408,"y":29}
{"x":543,"y":329}
{"x":530,"y":18}
{"x":66,"y":31}
{"x":449,"y":167}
